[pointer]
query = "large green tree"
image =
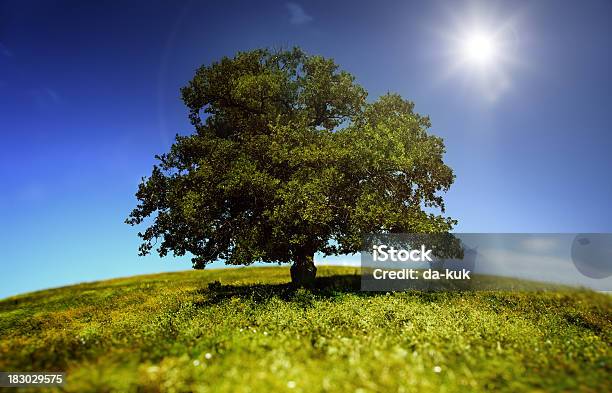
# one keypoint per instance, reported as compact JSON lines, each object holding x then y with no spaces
{"x":288,"y":159}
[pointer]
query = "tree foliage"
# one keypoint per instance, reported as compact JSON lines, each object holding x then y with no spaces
{"x":288,"y":159}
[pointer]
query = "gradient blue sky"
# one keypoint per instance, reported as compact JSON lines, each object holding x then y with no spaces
{"x":90,"y":93}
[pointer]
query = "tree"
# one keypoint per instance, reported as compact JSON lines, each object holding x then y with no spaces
{"x":288,"y":159}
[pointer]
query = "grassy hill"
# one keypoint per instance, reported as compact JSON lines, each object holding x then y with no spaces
{"x":246,"y":330}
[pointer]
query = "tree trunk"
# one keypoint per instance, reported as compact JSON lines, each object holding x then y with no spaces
{"x":303,"y":271}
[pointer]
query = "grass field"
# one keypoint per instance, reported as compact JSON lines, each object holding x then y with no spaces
{"x":246,"y":330}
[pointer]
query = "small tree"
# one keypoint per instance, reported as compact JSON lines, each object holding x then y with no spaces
{"x":288,"y":159}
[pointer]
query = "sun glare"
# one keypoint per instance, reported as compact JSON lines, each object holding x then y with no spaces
{"x":479,"y":49}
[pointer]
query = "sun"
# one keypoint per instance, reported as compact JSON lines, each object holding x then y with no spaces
{"x":479,"y":48}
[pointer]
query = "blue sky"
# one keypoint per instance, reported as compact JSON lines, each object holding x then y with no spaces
{"x":89,"y":93}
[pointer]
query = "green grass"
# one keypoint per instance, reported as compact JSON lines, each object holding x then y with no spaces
{"x":250,"y":331}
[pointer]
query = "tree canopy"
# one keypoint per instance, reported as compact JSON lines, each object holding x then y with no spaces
{"x":288,"y":158}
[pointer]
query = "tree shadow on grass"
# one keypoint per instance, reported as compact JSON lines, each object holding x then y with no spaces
{"x":324,"y":287}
